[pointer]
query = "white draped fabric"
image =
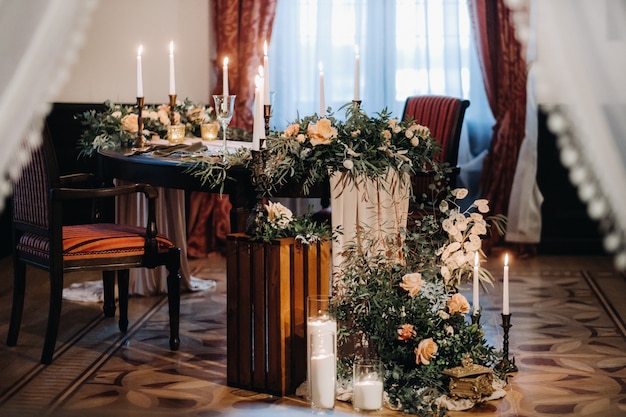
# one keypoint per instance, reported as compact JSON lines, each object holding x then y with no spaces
{"x":580,"y":67}
{"x":39,"y":42}
{"x":378,"y":208}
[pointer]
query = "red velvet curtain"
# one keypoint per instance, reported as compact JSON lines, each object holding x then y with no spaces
{"x":240,"y":28}
{"x":504,"y":73}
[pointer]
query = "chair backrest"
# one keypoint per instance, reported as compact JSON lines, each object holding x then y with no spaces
{"x":443,"y":115}
{"x":31,"y":192}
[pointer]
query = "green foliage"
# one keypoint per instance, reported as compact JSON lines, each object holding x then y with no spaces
{"x":311,"y":149}
{"x":375,"y":305}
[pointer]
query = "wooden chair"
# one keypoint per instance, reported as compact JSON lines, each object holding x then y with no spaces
{"x":444,"y":116}
{"x":41,"y":240}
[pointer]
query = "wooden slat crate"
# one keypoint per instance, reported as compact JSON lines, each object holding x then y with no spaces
{"x":267,"y":287}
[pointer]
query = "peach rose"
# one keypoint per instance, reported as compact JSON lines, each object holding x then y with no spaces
{"x":292,"y":130}
{"x":412,"y":283}
{"x":196,"y":115}
{"x":425,"y":351}
{"x":458,"y":304}
{"x":129,"y":123}
{"x":406,"y":332}
{"x":322,"y":132}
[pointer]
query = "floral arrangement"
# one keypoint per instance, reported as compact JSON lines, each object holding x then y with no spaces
{"x":409,"y":313}
{"x":312,"y":148}
{"x":117,"y":125}
{"x":275,"y":221}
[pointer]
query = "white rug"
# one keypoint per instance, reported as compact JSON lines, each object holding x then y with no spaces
{"x":92,"y":291}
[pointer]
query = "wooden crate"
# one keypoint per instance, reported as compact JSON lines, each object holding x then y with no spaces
{"x":267,"y":288}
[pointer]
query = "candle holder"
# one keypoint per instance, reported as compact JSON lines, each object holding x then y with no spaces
{"x":172,"y":108}
{"x":476,"y":318}
{"x":267,"y":115}
{"x":356,"y":103}
{"x":140,"y":142}
{"x":506,"y":365}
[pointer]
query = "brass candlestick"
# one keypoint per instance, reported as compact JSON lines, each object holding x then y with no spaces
{"x":506,"y":365}
{"x":140,"y":142}
{"x":172,"y":108}
{"x":267,"y":114}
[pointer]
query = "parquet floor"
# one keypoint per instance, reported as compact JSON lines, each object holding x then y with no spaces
{"x":567,"y":339}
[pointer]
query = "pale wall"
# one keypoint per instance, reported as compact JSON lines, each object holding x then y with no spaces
{"x":106,"y":68}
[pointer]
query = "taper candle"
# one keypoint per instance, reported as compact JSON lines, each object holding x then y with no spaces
{"x":356,"y":73}
{"x":505,"y":286}
{"x":258,"y":126}
{"x":139,"y":72}
{"x":225,"y":79}
{"x":266,"y":76}
{"x":172,"y":75}
{"x":475,"y":302}
{"x":322,"y":103}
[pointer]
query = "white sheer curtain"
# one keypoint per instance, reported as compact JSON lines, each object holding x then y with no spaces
{"x":406,"y":47}
{"x":580,"y":67}
{"x":39,"y":42}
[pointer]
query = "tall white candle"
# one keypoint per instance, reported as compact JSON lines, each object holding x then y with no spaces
{"x":139,"y":72}
{"x":475,"y":302}
{"x":356,"y":73}
{"x":368,"y":395}
{"x":172,"y":75}
{"x":505,"y":286}
{"x":323,"y":378}
{"x":225,"y":79}
{"x":266,"y":76}
{"x":322,"y":103}
{"x":258,"y":127}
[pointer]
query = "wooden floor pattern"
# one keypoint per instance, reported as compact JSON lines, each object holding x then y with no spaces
{"x":567,"y":339}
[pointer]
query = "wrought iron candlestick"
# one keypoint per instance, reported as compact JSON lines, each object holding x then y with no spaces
{"x":267,"y":114}
{"x":506,"y":365}
{"x":172,"y":108}
{"x":140,"y":142}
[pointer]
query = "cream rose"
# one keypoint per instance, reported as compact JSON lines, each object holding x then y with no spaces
{"x":322,"y":132}
{"x":412,"y":283}
{"x":425,"y":351}
{"x":278,"y":215}
{"x":129,"y":123}
{"x":458,"y":304}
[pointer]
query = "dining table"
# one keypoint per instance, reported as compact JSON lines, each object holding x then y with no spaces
{"x":170,"y":168}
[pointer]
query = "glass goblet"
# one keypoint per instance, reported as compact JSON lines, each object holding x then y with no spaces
{"x":224,"y":109}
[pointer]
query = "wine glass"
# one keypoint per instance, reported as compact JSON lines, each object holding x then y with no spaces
{"x":224,"y":109}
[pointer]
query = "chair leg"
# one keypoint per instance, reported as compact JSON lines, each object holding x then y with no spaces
{"x":173,"y":296}
{"x":122,"y":289}
{"x":108,"y":284}
{"x":19,"y":289}
{"x":54,"y":314}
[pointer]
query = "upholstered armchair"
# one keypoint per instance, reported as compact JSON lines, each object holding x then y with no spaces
{"x":41,"y":240}
{"x":444,"y":116}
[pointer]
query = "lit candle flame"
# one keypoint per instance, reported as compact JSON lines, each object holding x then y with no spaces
{"x":506,"y":259}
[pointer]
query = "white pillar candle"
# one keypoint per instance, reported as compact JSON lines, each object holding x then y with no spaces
{"x":475,"y":302}
{"x":322,"y":103}
{"x":505,"y":286}
{"x":323,"y":377}
{"x":356,"y":73}
{"x":368,"y":395}
{"x":266,"y":76}
{"x":139,"y":72}
{"x":172,"y":75}
{"x":225,"y":79}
